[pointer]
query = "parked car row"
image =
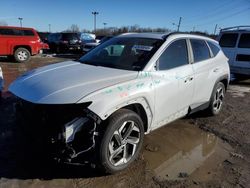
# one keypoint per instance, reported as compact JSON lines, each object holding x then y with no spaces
{"x":22,"y":43}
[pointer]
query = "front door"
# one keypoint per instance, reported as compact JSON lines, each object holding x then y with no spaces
{"x":173,"y":83}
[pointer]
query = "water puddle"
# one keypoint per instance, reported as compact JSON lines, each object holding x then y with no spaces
{"x":238,"y":91}
{"x":181,"y":150}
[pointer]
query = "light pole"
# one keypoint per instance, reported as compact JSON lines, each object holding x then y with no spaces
{"x":50,"y":28}
{"x":215,"y":28}
{"x":21,"y":21}
{"x":95,"y":13}
{"x":104,"y":24}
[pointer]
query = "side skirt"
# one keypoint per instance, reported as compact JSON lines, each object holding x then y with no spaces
{"x":199,"y":108}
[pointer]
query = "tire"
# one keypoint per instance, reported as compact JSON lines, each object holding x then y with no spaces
{"x":58,"y":50}
{"x":22,"y":55}
{"x":216,"y":100}
{"x":121,"y":142}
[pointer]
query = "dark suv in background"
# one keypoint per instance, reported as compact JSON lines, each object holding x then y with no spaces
{"x":64,"y":42}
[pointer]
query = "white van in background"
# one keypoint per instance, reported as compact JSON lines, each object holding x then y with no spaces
{"x":235,"y":43}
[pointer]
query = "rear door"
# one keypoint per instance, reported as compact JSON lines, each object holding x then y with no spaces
{"x":205,"y":72}
{"x":243,"y":51}
{"x":228,"y":43}
{"x":6,"y":35}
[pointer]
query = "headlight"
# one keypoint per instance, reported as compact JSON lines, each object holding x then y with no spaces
{"x":73,"y":127}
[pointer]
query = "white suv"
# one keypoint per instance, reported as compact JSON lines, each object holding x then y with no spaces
{"x":235,"y":43}
{"x":124,"y":88}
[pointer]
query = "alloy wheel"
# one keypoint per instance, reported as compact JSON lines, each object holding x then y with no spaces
{"x":123,"y":144}
{"x":218,"y":99}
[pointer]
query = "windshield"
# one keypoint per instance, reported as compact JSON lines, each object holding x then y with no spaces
{"x":123,"y":53}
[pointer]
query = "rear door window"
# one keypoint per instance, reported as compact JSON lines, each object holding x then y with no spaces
{"x":228,"y":40}
{"x":200,"y":50}
{"x":244,"y":41}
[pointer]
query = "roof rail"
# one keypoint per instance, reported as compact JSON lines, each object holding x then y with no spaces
{"x":242,"y":27}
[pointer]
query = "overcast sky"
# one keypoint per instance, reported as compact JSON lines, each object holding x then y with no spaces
{"x":196,"y":14}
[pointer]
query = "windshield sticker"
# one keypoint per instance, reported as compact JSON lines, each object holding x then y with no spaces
{"x":142,"y":47}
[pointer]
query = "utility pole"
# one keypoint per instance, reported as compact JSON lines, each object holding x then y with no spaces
{"x":21,"y":21}
{"x":50,"y":28}
{"x":215,"y":28}
{"x":95,"y":13}
{"x":193,"y":28}
{"x":178,"y":25}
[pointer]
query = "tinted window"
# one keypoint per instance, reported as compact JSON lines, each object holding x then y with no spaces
{"x":244,"y":41}
{"x":174,"y":56}
{"x":200,"y":50}
{"x":70,"y":36}
{"x":28,"y":33}
{"x":54,"y":37}
{"x":6,"y":32}
{"x":228,"y":40}
{"x":215,"y":49}
{"x":16,"y":32}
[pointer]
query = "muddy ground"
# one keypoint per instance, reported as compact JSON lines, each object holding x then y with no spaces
{"x":196,"y":151}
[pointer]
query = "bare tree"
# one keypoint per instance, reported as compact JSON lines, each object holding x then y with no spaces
{"x":73,"y":28}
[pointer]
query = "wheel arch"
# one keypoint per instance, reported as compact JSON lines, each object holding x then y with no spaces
{"x":223,"y":79}
{"x":138,"y":105}
{"x":139,"y":109}
{"x":23,"y":46}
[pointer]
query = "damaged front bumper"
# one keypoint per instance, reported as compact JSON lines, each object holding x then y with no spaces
{"x":68,"y":133}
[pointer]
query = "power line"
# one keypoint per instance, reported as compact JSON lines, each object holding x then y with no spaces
{"x":225,"y":17}
{"x":216,"y":11}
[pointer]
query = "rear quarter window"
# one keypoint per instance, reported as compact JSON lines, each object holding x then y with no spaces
{"x":244,"y":41}
{"x":28,"y":33}
{"x":200,"y":50}
{"x":228,"y":40}
{"x":215,"y":49}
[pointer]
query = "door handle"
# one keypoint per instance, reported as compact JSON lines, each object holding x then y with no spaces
{"x":216,"y":70}
{"x":188,"y":79}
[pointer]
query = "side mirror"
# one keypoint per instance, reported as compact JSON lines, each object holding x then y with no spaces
{"x":156,"y":66}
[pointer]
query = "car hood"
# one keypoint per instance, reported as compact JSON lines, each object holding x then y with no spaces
{"x":67,"y":82}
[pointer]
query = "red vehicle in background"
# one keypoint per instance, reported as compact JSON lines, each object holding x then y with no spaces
{"x":20,"y":42}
